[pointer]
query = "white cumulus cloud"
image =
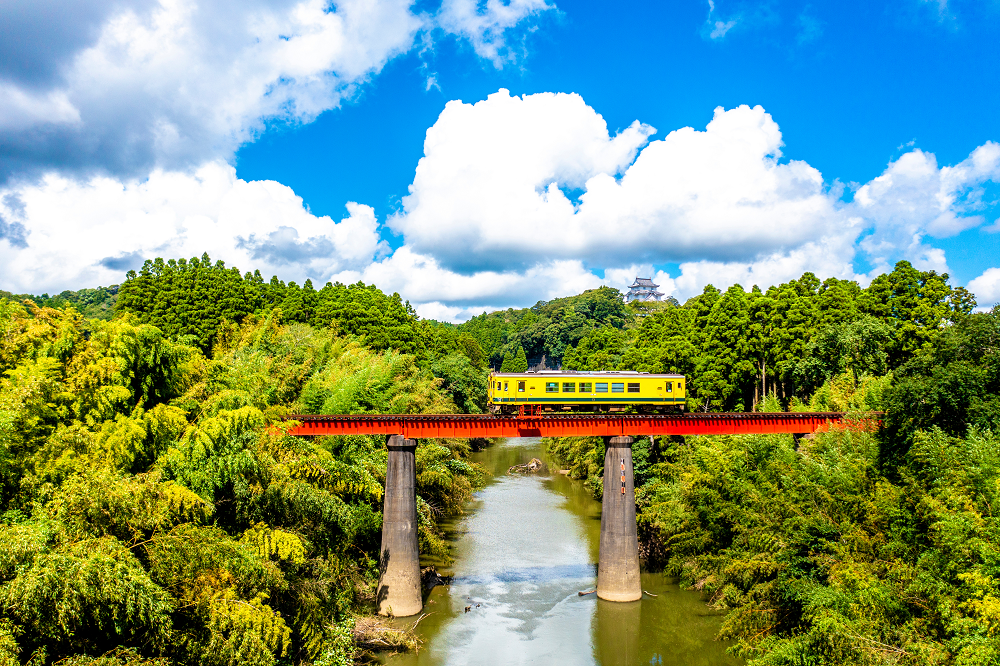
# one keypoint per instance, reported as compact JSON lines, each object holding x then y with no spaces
{"x":422,"y":279}
{"x":176,"y":83}
{"x":986,"y":287}
{"x":914,"y":199}
{"x":491,"y":189}
{"x":88,"y":233}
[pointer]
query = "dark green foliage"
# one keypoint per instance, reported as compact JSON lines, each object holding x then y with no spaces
{"x":738,"y":347}
{"x":515,"y":361}
{"x":549,"y":328}
{"x":189,"y":298}
{"x":917,"y":303}
{"x":194,"y":298}
{"x":857,"y":346}
{"x":463,"y":381}
{"x":91,"y":303}
{"x":954,"y":383}
{"x":601,"y":349}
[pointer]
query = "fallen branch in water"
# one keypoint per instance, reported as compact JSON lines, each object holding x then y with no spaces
{"x":533,"y":465}
{"x":583,"y":594}
{"x":420,"y":618}
{"x":650,"y":593}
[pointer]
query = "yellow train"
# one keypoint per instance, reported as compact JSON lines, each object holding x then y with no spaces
{"x":571,"y":391}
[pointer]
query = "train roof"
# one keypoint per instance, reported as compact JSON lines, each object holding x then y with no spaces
{"x":583,"y":373}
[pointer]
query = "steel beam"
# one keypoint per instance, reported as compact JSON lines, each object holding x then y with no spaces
{"x":436,"y":426}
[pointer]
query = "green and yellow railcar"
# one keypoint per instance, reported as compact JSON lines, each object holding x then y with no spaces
{"x":570,"y":391}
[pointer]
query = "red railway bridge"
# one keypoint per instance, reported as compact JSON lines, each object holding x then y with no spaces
{"x":435,"y":426}
{"x":399,"y":588}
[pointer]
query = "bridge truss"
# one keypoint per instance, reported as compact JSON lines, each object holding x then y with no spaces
{"x":436,"y":426}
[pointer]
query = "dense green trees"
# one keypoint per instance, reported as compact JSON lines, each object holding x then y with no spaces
{"x":952,"y":384}
{"x":150,"y":512}
{"x":96,"y":303}
{"x":549,"y":328}
{"x":819,"y":558}
{"x":195,"y":297}
{"x":514,"y":361}
{"x":197,"y":300}
{"x":739,"y":346}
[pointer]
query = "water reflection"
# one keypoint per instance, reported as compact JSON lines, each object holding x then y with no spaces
{"x":523,"y":550}
{"x":617,"y":632}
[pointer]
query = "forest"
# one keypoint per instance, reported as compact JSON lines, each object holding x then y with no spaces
{"x":154,"y":513}
{"x":847,"y":547}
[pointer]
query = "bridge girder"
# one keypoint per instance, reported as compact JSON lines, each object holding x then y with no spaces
{"x":436,"y":426}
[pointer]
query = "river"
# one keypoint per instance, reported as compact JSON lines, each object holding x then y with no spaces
{"x":524,"y":548}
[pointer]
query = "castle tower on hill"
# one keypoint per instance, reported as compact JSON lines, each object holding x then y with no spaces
{"x":643,"y":289}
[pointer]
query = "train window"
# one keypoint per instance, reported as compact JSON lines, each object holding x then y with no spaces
{"x":520,"y":387}
{"x":633,"y":387}
{"x":617,"y":388}
{"x":670,"y":387}
{"x":602,"y":387}
{"x":497,"y":387}
{"x":569,"y":387}
{"x":585,"y":387}
{"x":505,"y":385}
{"x":552,"y":387}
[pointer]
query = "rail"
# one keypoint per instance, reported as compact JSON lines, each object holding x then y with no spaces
{"x":436,"y":426}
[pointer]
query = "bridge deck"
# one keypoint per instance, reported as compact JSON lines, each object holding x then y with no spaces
{"x":432,"y":426}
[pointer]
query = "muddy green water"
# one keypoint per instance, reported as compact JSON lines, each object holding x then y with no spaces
{"x":524,"y":548}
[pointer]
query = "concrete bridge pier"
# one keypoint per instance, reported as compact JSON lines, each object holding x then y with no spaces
{"x":399,"y":592}
{"x":618,"y":569}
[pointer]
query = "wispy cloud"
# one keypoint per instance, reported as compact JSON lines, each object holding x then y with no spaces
{"x":810,"y":28}
{"x":717,"y":28}
{"x":721,"y":28}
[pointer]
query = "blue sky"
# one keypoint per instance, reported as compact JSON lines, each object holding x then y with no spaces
{"x":888,"y":101}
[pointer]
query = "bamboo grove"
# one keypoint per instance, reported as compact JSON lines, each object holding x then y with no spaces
{"x":149,"y":515}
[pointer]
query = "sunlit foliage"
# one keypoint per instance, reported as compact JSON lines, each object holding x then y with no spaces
{"x":152,"y":510}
